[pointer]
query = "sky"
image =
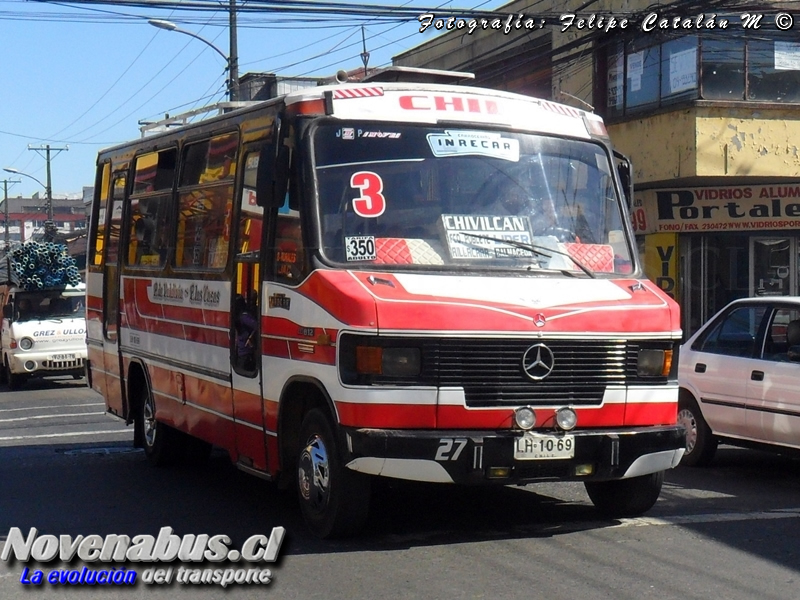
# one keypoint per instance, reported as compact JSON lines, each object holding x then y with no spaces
{"x":80,"y":77}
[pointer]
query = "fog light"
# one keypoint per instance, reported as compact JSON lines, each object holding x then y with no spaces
{"x":524,"y":417}
{"x":498,"y":472}
{"x":583,"y":470}
{"x":30,"y":365}
{"x":566,"y":419}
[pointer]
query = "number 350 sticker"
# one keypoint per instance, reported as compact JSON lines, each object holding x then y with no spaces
{"x":371,"y":203}
{"x":360,"y":247}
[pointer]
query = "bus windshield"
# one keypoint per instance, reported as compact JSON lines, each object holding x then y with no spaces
{"x":399,"y":195}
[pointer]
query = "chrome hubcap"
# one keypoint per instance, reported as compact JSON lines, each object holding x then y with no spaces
{"x":689,"y":423}
{"x":314,"y":473}
{"x":149,"y":421}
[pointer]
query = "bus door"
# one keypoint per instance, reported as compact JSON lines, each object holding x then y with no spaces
{"x":112,"y":359}
{"x":248,"y":412}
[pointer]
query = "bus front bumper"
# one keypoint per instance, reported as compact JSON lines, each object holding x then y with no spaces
{"x":486,"y":457}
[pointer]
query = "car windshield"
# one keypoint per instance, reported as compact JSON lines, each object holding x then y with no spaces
{"x":447,"y":197}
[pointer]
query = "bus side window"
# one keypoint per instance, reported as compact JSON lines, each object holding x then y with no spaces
{"x":205,"y":203}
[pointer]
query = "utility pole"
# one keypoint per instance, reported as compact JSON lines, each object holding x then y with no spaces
{"x":49,"y":226}
{"x":364,"y":54}
{"x":6,"y":237}
{"x":233,"y":56}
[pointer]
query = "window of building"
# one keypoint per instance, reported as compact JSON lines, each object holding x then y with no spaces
{"x":722,"y":63}
{"x":679,"y":69}
{"x":615,"y":86}
{"x":641,"y":77}
{"x":773,"y":71}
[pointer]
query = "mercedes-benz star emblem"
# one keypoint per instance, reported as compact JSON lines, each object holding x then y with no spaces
{"x":538,"y":362}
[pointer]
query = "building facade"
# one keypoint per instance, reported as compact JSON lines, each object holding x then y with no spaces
{"x":23,"y":219}
{"x":707,"y":106}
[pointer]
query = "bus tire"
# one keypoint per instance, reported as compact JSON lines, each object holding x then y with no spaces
{"x":333,"y":499}
{"x":3,"y":373}
{"x":626,"y":497}
{"x":158,"y":440}
{"x":194,"y":451}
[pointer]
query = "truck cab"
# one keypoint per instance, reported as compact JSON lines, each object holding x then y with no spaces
{"x":43,"y":333}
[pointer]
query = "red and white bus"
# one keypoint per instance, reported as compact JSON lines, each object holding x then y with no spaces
{"x":418,"y":281}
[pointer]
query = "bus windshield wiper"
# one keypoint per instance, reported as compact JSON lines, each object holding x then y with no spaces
{"x":533,"y":249}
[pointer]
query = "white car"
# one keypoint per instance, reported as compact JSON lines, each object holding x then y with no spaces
{"x":739,"y":379}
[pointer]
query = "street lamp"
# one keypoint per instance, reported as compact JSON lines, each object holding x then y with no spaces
{"x":49,"y":227}
{"x":230,"y":62}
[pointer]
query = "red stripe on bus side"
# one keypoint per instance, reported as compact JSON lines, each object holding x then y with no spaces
{"x":391,"y":416}
{"x":651,"y":413}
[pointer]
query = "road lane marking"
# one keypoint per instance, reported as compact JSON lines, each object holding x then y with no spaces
{"x":11,"y":438}
{"x":2,"y":410}
{"x":782,"y":513}
{"x":57,"y":416}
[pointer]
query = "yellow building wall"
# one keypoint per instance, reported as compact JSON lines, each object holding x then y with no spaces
{"x":662,"y":147}
{"x":748,"y":142}
{"x":711,"y":141}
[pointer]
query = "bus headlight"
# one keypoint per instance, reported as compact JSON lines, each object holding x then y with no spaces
{"x":390,"y":362}
{"x":654,"y":363}
{"x":26,"y":343}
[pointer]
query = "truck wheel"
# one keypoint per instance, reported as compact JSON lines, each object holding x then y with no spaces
{"x":13,"y":380}
{"x":626,"y":497}
{"x":334,"y":500}
{"x":701,"y":444}
{"x":158,"y":440}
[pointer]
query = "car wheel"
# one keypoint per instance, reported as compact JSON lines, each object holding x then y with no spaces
{"x":334,"y":500}
{"x":701,"y":444}
{"x":158,"y":440}
{"x":626,"y":497}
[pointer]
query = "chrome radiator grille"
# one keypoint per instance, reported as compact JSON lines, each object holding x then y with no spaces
{"x":491,"y":371}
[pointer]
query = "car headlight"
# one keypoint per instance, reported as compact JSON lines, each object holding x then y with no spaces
{"x":26,"y":343}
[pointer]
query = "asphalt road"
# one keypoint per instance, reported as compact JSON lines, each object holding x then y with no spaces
{"x":729,"y":531}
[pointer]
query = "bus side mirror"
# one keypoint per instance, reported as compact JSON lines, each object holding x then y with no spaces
{"x":7,"y":311}
{"x":273,"y":172}
{"x":625,"y":170}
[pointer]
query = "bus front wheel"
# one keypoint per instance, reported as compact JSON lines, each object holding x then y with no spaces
{"x":334,"y":500}
{"x":626,"y":497}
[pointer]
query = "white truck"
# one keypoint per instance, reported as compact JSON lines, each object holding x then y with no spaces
{"x":43,"y":333}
